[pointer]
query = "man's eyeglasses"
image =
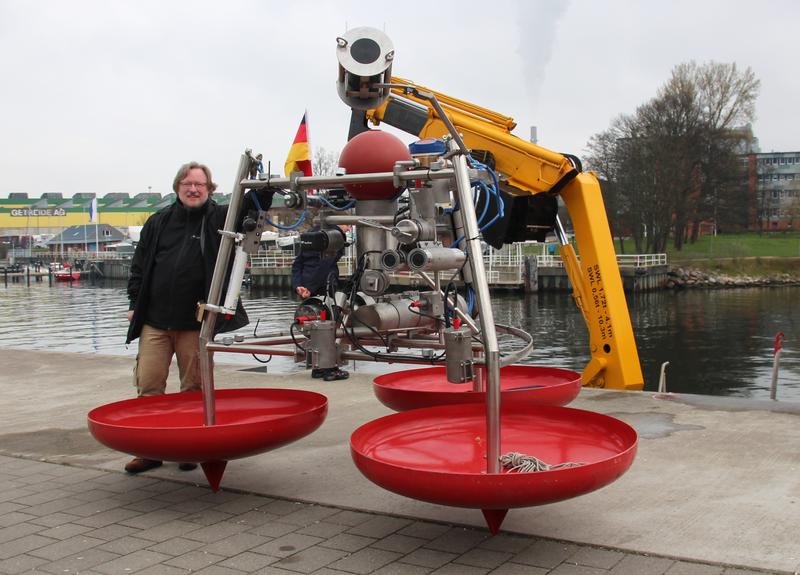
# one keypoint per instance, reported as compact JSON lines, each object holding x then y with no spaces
{"x":189,"y":185}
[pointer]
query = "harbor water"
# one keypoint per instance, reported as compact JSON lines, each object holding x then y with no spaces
{"x":717,"y":342}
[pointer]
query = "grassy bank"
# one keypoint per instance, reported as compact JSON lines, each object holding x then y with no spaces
{"x":751,"y":245}
{"x":754,"y":255}
{"x":750,"y":254}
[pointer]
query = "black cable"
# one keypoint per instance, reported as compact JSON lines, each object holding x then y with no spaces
{"x":447,"y":302}
{"x":372,"y":329}
{"x":255,"y":334}
{"x":356,"y":279}
{"x":385,"y":356}
{"x":360,"y":268}
{"x":294,"y":340}
{"x":419,"y":313}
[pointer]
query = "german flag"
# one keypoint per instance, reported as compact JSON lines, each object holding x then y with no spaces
{"x":299,"y":158}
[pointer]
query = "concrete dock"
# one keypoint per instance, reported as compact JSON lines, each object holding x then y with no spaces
{"x":715,"y":489}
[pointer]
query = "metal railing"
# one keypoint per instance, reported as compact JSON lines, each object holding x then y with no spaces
{"x":641,"y":260}
{"x":623,"y":260}
{"x":29,"y":255}
{"x":99,"y":256}
{"x":272,"y":259}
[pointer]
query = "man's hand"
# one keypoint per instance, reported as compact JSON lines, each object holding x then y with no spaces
{"x":130,"y":315}
{"x":303,"y":292}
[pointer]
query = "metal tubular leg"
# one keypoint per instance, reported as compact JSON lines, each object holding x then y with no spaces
{"x":561,"y":233}
{"x":488,"y":333}
{"x":210,"y":317}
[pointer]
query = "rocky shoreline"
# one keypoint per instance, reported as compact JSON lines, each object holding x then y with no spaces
{"x":686,"y":277}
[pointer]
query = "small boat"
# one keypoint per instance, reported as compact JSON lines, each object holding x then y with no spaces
{"x":66,"y":275}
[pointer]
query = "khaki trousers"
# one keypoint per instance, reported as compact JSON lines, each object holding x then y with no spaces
{"x":156,"y":348}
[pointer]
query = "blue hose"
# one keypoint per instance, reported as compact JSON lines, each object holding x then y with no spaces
{"x":294,"y":226}
{"x":325,"y":201}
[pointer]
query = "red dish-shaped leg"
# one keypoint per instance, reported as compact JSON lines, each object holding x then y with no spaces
{"x":438,"y":454}
{"x":519,"y":384}
{"x":171,"y":427}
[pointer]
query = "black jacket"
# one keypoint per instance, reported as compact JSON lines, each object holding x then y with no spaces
{"x":185,"y":245}
{"x":311,"y":270}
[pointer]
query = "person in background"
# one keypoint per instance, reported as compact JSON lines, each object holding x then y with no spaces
{"x":170,"y":274}
{"x":316,"y":273}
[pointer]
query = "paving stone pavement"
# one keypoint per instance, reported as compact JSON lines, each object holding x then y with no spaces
{"x":60,"y":519}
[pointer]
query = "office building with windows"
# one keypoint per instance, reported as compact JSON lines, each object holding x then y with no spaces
{"x":774,"y":187}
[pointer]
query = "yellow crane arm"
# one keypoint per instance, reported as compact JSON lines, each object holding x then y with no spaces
{"x":526,"y":166}
{"x":530,"y":169}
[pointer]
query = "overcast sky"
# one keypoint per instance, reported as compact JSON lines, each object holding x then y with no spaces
{"x":103,"y":95}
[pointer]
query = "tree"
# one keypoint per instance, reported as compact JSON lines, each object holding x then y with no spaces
{"x":325,"y":162}
{"x":626,"y":158}
{"x":674,"y":162}
{"x":727,"y":98}
{"x":604,"y":162}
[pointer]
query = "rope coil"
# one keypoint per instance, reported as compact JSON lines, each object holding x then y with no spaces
{"x":521,"y":463}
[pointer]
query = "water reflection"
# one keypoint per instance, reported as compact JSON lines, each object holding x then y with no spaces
{"x":717,"y":342}
{"x":721,"y":342}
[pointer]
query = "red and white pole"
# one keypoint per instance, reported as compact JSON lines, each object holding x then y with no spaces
{"x":773,"y":391}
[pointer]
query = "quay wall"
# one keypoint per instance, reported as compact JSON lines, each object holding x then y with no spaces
{"x":554,"y":278}
{"x":533,"y":278}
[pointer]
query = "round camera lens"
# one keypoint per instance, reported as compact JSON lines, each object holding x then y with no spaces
{"x":365,"y":51}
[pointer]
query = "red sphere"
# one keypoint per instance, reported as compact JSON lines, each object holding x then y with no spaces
{"x":369,"y":152}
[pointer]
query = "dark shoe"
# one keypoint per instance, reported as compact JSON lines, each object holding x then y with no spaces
{"x":187,"y":466}
{"x":335,"y":375}
{"x":139,"y":464}
{"x":318,"y":373}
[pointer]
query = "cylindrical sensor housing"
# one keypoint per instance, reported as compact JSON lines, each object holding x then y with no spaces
{"x":322,"y":345}
{"x":235,"y":282}
{"x":392,"y":314}
{"x":458,"y":350}
{"x":433,"y":259}
{"x":393,"y":260}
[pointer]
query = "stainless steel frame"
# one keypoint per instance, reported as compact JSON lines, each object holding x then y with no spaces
{"x":408,"y":337}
